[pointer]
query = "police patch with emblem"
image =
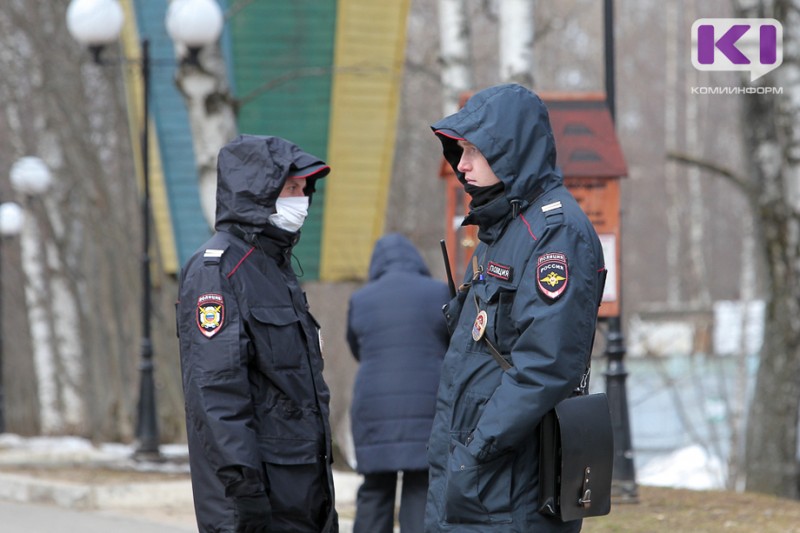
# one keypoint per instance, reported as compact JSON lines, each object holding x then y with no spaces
{"x":210,"y":314}
{"x":552,"y":275}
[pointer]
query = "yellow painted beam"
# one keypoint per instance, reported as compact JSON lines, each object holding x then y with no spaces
{"x":165,"y":236}
{"x":368,"y":71}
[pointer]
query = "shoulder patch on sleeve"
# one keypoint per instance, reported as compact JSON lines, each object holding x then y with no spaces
{"x":552,"y":275}
{"x":210,"y":313}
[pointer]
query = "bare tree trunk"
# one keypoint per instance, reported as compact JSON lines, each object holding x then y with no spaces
{"x":36,"y":299}
{"x":55,"y":327}
{"x":516,"y":41}
{"x":772,"y":137}
{"x":68,"y":336}
{"x":212,"y":119}
{"x":701,"y":294}
{"x":736,"y":403}
{"x":454,"y":36}
{"x":671,"y":172}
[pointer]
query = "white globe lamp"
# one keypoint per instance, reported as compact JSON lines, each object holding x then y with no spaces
{"x":11,"y":219}
{"x":30,"y":176}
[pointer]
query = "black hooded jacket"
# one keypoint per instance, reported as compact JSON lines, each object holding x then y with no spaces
{"x":534,"y":295}
{"x":251,"y":360}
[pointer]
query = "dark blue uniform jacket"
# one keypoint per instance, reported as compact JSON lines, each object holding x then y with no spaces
{"x":396,"y":330}
{"x":256,"y":401}
{"x":541,"y":275}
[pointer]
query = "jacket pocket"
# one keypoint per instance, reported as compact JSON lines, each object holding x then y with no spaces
{"x":497,"y":300}
{"x":506,"y":332}
{"x":278,"y":337}
{"x":477,"y":492}
{"x":289,"y":451}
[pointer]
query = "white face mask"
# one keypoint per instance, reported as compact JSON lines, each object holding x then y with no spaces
{"x":291,"y":212}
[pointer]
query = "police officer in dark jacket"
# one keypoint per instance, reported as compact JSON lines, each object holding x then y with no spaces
{"x":256,"y":402}
{"x":531,"y":294}
{"x":396,"y":330}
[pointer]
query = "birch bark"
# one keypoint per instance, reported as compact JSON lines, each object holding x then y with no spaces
{"x":454,"y":34}
{"x":773,"y":147}
{"x":516,"y":33}
{"x":212,"y":118}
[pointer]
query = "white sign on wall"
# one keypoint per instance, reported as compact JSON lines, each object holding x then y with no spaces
{"x":609,"y":243}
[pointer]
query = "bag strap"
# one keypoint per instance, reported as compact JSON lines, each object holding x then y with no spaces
{"x":502,"y":361}
{"x":584,"y":386}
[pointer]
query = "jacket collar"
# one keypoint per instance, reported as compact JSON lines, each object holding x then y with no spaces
{"x":273,"y":241}
{"x":491,"y":219}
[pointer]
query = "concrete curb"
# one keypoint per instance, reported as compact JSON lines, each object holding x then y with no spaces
{"x":24,"y":489}
{"x":129,"y":498}
{"x":26,"y":479}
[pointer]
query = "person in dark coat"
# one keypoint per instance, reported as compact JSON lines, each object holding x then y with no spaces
{"x":532,"y":291}
{"x":257,"y":406}
{"x":397,"y":332}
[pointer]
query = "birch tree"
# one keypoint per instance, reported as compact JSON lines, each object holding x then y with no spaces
{"x":773,"y":149}
{"x":454,"y":35}
{"x":673,"y":210}
{"x":516,"y":34}
{"x":56,"y":341}
{"x":212,"y":117}
{"x":701,"y":295}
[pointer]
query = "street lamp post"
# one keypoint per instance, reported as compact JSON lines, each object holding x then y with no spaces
{"x":97,"y":23}
{"x":10,"y":225}
{"x":624,"y":473}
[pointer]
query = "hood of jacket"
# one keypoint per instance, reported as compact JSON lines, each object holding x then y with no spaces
{"x":395,"y":253}
{"x":510,"y":125}
{"x":251,"y":171}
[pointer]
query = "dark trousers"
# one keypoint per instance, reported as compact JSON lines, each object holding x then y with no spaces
{"x":376,"y":497}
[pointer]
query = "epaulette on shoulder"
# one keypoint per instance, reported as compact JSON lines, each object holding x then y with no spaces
{"x":554,"y":213}
{"x":212,"y":256}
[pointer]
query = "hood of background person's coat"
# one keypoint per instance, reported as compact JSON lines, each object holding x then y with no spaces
{"x":510,"y":125}
{"x":251,"y":171}
{"x":393,"y":253}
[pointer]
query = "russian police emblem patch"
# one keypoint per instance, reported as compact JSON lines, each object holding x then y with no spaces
{"x":210,"y":314}
{"x":552,"y":275}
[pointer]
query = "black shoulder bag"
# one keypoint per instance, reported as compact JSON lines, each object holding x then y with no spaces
{"x":576,"y":458}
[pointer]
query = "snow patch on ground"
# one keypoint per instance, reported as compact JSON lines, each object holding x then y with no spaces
{"x":687,"y":468}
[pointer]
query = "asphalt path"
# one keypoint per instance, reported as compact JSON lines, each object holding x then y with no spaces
{"x":31,"y":518}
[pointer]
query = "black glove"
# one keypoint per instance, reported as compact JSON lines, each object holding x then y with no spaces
{"x":253,"y":514}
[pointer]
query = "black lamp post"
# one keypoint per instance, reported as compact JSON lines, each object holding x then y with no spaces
{"x":624,"y":475}
{"x":10,"y":225}
{"x":97,"y":23}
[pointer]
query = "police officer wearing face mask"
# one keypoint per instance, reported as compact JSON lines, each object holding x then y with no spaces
{"x":256,"y":402}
